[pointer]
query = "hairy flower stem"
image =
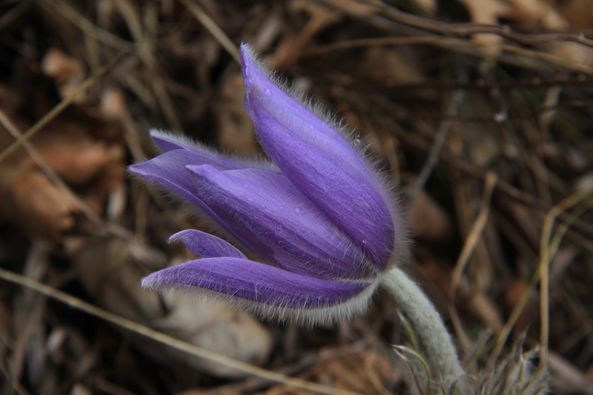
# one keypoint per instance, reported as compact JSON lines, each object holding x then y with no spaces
{"x":428,"y":326}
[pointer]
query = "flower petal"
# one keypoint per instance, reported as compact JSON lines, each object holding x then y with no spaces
{"x":168,"y":170}
{"x":200,"y":154}
{"x":320,"y":162}
{"x":266,"y":213}
{"x":206,"y":245}
{"x":258,"y":285}
{"x":168,"y":141}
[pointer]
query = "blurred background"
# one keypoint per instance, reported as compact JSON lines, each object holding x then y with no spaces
{"x":480,"y":110}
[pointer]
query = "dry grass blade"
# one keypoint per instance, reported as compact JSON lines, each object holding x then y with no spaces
{"x":510,"y":191}
{"x":402,"y":351}
{"x":474,"y":235}
{"x":213,"y":28}
{"x":160,"y":337}
{"x":548,"y":248}
{"x":469,"y":246}
{"x":57,"y":110}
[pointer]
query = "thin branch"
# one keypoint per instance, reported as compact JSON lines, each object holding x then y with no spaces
{"x":547,"y":252}
{"x":523,"y":57}
{"x":471,"y":241}
{"x":522,"y":197}
{"x":466,"y":29}
{"x":474,"y":235}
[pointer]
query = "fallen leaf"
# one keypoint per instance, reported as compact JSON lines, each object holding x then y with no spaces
{"x":67,"y":72}
{"x":30,"y":200}
{"x":111,"y":268}
{"x":428,"y":220}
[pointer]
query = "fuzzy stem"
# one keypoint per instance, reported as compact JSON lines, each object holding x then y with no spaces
{"x":428,"y":326}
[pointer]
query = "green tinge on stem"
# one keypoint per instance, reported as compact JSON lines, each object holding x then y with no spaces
{"x":428,"y":326}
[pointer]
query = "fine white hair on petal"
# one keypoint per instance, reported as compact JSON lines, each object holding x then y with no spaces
{"x":391,"y":195}
{"x":182,"y":139}
{"x":323,"y":316}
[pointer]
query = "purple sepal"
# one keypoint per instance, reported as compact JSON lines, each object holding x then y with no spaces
{"x":269,"y":215}
{"x":206,"y":245}
{"x":255,"y":282}
{"x":322,"y":217}
{"x":320,"y":162}
{"x":196,"y":154}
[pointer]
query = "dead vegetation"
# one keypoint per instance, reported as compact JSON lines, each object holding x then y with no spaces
{"x":479,"y":109}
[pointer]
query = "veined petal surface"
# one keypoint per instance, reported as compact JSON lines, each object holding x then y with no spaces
{"x":272,"y":218}
{"x":321,"y":163}
{"x":255,"y":282}
{"x":168,"y":170}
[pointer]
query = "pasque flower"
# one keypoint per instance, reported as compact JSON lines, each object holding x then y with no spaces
{"x":318,"y":225}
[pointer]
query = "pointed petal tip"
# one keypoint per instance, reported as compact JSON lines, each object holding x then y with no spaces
{"x":154,"y":132}
{"x":167,"y":141}
{"x":255,"y":75}
{"x":247,"y":54}
{"x":245,"y":48}
{"x":206,"y":245}
{"x":150,"y":282}
{"x":137,"y":169}
{"x":178,"y":236}
{"x":162,"y":280}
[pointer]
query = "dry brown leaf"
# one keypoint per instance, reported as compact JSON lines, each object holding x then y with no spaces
{"x":77,"y":162}
{"x":30,"y":200}
{"x":487,"y":12}
{"x":75,"y":148}
{"x":428,"y":220}
{"x":113,"y":104}
{"x":537,"y":13}
{"x":110,"y":269}
{"x":39,"y":206}
{"x":235,"y":133}
{"x":577,"y":13}
{"x":67,"y":72}
{"x":573,"y":52}
{"x":428,"y":6}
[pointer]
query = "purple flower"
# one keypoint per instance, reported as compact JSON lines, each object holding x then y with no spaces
{"x":319,"y":219}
